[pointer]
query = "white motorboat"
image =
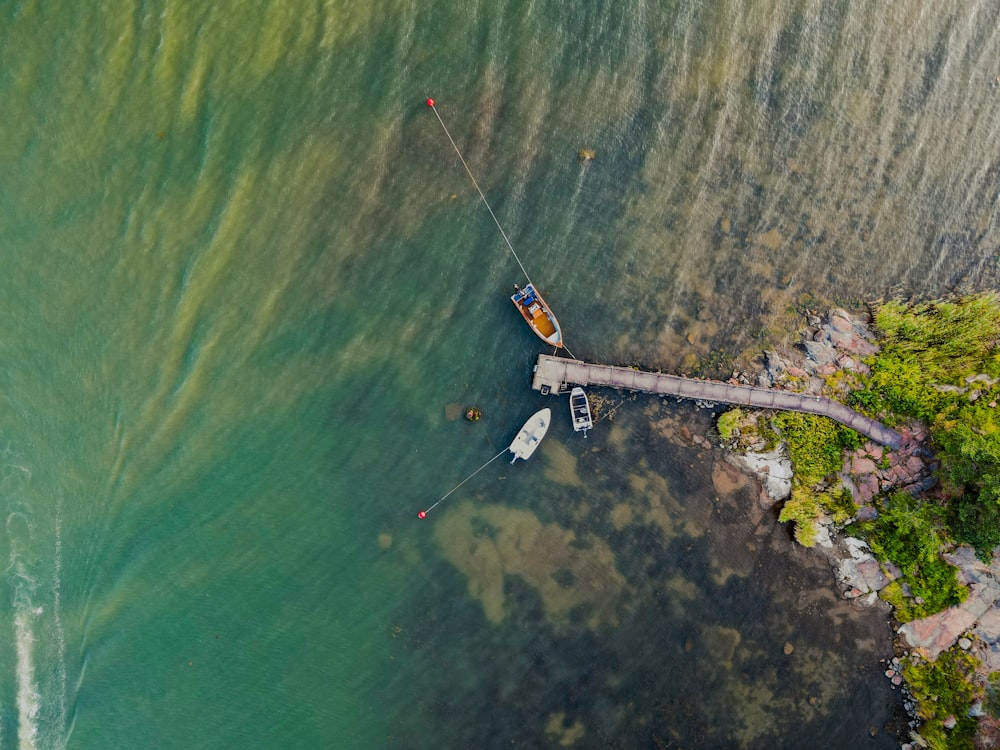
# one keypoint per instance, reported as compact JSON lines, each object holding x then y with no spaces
{"x":580,"y":408}
{"x":531,"y":435}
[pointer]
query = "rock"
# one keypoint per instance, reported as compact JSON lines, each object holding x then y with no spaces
{"x":774,"y":469}
{"x":867,"y":488}
{"x":892,"y":573}
{"x":823,"y":538}
{"x":871,"y":573}
{"x":840,"y":323}
{"x":964,"y":643}
{"x":774,"y":364}
{"x":846,"y":362}
{"x":950,"y":722}
{"x":857,"y":548}
{"x":861,"y":466}
{"x":727,"y":479}
{"x":981,"y":378}
{"x":866,"y":513}
{"x":932,"y":635}
{"x":852,"y":343}
{"x":821,"y":355}
{"x":823,"y":336}
{"x":988,"y":627}
{"x":860,"y":571}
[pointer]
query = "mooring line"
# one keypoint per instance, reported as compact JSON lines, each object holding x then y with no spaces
{"x":430,"y":103}
{"x":423,"y":513}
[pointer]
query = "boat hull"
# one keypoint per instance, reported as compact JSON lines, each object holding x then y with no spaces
{"x":580,"y":410}
{"x":531,"y":435}
{"x":538,"y":315}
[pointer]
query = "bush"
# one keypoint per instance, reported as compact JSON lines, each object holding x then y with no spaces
{"x":802,"y":508}
{"x":944,"y":688}
{"x":910,"y":533}
{"x":975,"y":520}
{"x":815,"y":445}
{"x":928,"y":345}
{"x":729,"y":422}
{"x":815,"y":448}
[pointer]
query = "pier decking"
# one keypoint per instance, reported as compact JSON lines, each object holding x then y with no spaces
{"x":556,"y":374}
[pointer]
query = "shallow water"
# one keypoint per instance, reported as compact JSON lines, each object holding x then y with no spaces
{"x":245,"y":276}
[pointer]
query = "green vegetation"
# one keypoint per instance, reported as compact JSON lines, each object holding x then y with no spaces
{"x":943,"y":688}
{"x":939,"y":363}
{"x":991,"y":700}
{"x":815,"y":444}
{"x":911,"y":533}
{"x":815,"y":447}
{"x":802,"y":509}
{"x":745,"y":430}
{"x":729,"y":423}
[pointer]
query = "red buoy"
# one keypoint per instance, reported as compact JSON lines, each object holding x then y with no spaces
{"x":430,"y":102}
{"x":422,"y":514}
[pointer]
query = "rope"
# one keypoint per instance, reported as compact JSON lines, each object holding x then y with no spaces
{"x":423,"y":513}
{"x":485,"y":202}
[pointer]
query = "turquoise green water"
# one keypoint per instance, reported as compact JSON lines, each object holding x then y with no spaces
{"x":244,"y":277}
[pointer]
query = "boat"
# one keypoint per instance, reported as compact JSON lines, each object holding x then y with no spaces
{"x":528,"y":301}
{"x":537,"y":314}
{"x":580,"y":408}
{"x":531,"y":435}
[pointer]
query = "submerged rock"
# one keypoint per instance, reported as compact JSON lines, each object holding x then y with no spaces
{"x":774,"y":469}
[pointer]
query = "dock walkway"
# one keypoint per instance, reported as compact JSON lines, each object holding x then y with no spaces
{"x":556,"y":374}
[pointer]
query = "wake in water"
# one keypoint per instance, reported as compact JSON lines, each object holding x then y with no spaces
{"x":28,"y":699}
{"x":33,"y":579}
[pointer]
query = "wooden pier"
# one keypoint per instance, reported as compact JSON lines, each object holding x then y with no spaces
{"x":557,"y":374}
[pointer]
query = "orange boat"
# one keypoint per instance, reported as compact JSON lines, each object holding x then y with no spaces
{"x":537,"y":314}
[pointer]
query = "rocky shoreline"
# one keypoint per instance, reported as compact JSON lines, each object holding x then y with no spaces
{"x":831,"y":347}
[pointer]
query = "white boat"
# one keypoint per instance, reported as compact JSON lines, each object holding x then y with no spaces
{"x":580,"y":408}
{"x":531,"y":435}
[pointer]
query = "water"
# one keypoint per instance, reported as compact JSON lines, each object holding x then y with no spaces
{"x":244,"y":277}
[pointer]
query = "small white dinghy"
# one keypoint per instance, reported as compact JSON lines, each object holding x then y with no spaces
{"x":580,"y":408}
{"x":531,"y":435}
